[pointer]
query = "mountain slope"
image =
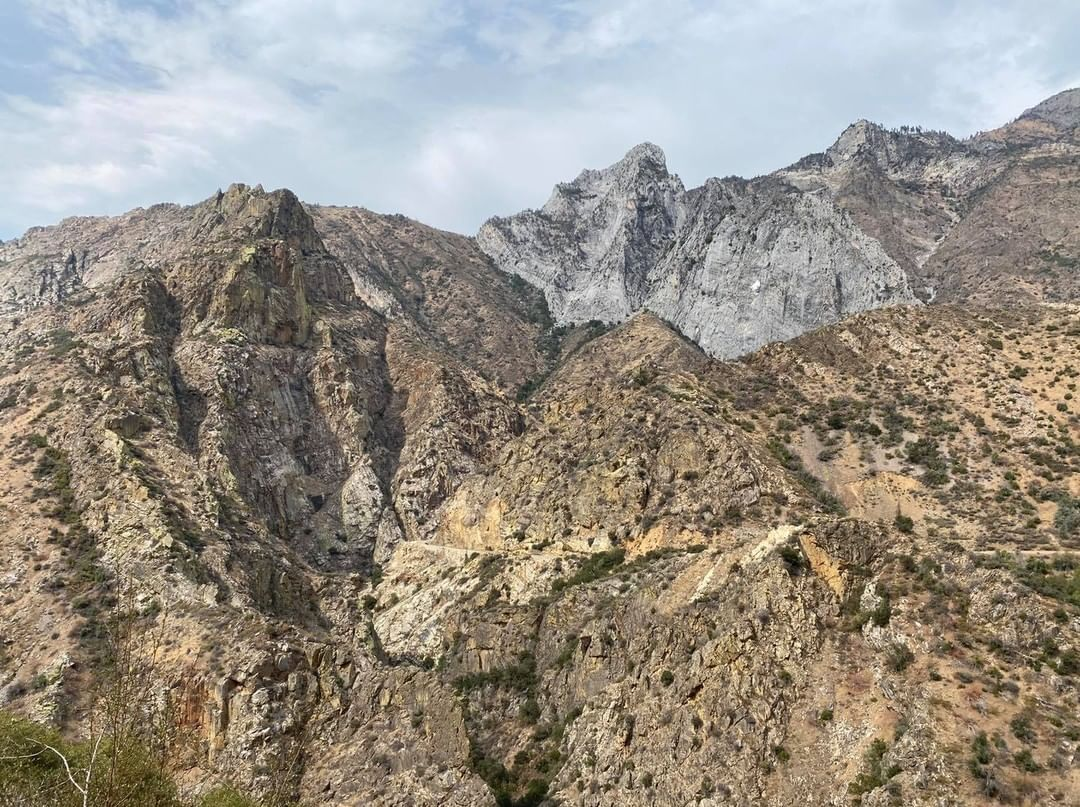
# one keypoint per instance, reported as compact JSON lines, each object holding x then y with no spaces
{"x":385,"y":535}
{"x":972,"y":220}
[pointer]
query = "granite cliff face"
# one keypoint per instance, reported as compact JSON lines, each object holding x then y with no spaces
{"x":880,"y":218}
{"x":591,"y":247}
{"x":405,"y":540}
{"x":733,"y":264}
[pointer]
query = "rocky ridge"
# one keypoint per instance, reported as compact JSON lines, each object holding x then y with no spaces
{"x":880,"y":218}
{"x":733,"y":264}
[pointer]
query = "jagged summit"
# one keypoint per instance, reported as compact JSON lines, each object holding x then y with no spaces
{"x":880,"y":216}
{"x":644,"y":156}
{"x":860,"y":137}
{"x":604,"y":230}
{"x":47,"y":264}
{"x":733,"y":264}
{"x":642,"y":159}
{"x":640,"y":174}
{"x":259,"y":214}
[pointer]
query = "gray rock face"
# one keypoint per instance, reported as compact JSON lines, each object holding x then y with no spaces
{"x":733,"y":264}
{"x":590,"y":248}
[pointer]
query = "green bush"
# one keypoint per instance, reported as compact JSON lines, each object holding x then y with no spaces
{"x":792,"y":557}
{"x":1067,"y":517}
{"x":33,"y":766}
{"x":520,"y":676}
{"x":32,"y":773}
{"x":882,"y":612}
{"x":595,"y":566}
{"x":874,"y":774}
{"x":1026,"y":762}
{"x":530,"y":711}
{"x":926,"y":452}
{"x":899,"y":657}
{"x":980,"y":747}
{"x":1021,"y":728}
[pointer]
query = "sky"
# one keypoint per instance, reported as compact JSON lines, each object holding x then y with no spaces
{"x":451,"y":112}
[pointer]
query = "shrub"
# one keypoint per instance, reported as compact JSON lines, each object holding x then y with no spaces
{"x":530,"y":711}
{"x":899,"y":657}
{"x":1021,"y":729}
{"x":1067,"y":517}
{"x":926,"y":452}
{"x":792,"y":557}
{"x":520,"y":676}
{"x":980,"y":747}
{"x":1026,"y":762}
{"x":874,"y":773}
{"x":30,"y":769}
{"x":882,"y":612}
{"x":596,"y":566}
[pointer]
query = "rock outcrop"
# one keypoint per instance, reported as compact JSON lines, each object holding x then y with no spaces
{"x":733,"y":264}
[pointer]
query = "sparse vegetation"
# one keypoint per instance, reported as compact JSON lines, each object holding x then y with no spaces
{"x":594,"y":567}
{"x":795,"y":465}
{"x":875,"y":772}
{"x":899,"y":657}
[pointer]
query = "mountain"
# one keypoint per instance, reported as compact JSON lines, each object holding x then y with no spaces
{"x":733,"y":264}
{"x":968,"y":220}
{"x":331,"y":507}
{"x":877,"y":219}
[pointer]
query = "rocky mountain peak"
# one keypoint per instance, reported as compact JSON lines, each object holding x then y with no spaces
{"x":1062,"y":110}
{"x":734,"y":265}
{"x":641,"y":175}
{"x":892,"y":149}
{"x":858,"y":138}
{"x":595,"y":238}
{"x":255,"y":213}
{"x":645,"y":160}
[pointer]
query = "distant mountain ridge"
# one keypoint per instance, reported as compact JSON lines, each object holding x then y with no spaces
{"x":880,"y":218}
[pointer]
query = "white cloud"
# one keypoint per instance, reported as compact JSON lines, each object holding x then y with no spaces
{"x":511,"y":156}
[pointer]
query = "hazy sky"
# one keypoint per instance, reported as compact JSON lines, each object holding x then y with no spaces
{"x":453,"y":111}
